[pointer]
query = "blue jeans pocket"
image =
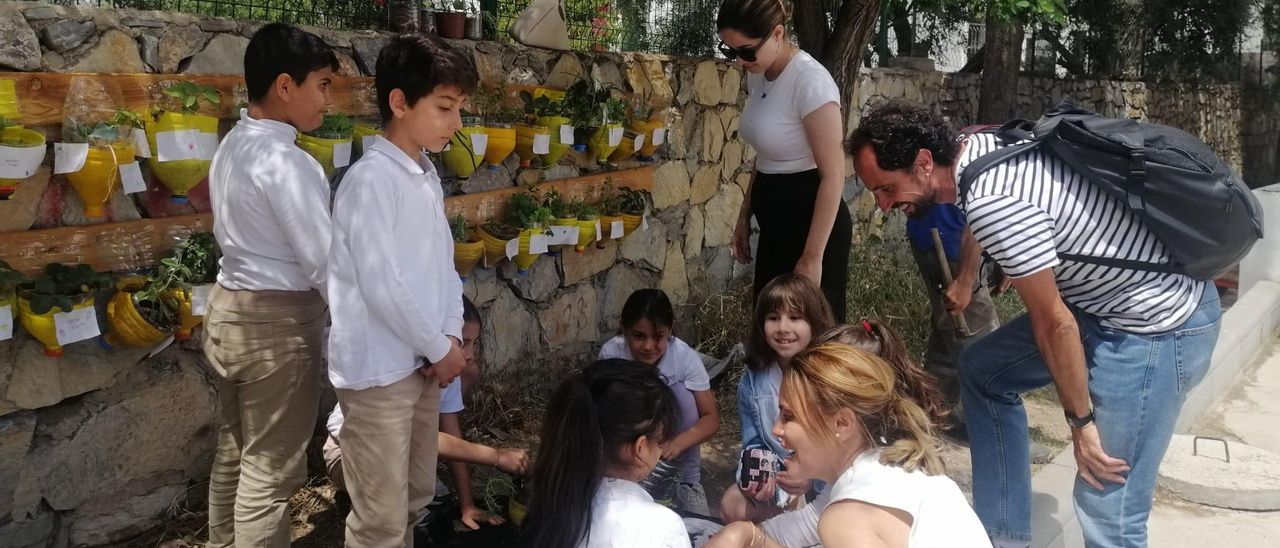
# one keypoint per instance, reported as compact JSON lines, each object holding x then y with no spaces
{"x":1194,"y":348}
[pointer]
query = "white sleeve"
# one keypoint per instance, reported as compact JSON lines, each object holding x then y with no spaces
{"x":673,"y":533}
{"x":695,"y":372}
{"x":334,"y":425}
{"x":451,"y":397}
{"x":814,"y":89}
{"x":300,"y":201}
{"x":613,"y":348}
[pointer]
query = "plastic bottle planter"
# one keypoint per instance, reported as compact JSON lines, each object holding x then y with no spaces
{"x":466,"y":255}
{"x":601,"y":144}
{"x":502,"y":142}
{"x":564,"y":221}
{"x":321,"y":149}
{"x":22,"y":151}
{"x":516,"y":511}
{"x":361,"y":137}
{"x":631,"y":222}
{"x":461,"y":156}
{"x":606,"y":228}
{"x":180,"y":175}
{"x":495,"y":249}
{"x":188,"y":319}
{"x":527,"y":141}
{"x":127,"y":326}
{"x":42,"y":326}
{"x":626,"y":148}
{"x":100,"y":176}
{"x":557,"y":147}
{"x":647,"y":128}
{"x":587,"y":229}
{"x":9,"y":108}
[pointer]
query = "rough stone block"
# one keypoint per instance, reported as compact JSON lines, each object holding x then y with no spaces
{"x":581,"y":266}
{"x":646,"y":248}
{"x":566,"y":71}
{"x":675,"y":277}
{"x":732,"y":160}
{"x":66,"y":34}
{"x":19,"y":46}
{"x":721,"y":215}
{"x":571,"y":318}
{"x":116,"y":52}
{"x":693,"y":232}
{"x":620,"y":283}
{"x":223,"y":55}
{"x":713,"y":136}
{"x":149,"y":46}
{"x":136,"y":21}
{"x":538,"y":284}
{"x":510,"y":331}
{"x":670,"y":185}
{"x":706,"y":84}
{"x":219,"y":25}
{"x":41,"y":13}
{"x":16,"y":431}
{"x":731,"y":86}
{"x":705,"y":183}
{"x":178,"y":43}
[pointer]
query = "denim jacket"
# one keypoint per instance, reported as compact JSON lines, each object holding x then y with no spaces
{"x":758,"y":410}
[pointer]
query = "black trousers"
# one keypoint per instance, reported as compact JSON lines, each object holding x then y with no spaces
{"x":783,"y":207}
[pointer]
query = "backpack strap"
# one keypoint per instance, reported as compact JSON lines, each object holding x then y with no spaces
{"x":988,"y":161}
{"x":1166,"y":268}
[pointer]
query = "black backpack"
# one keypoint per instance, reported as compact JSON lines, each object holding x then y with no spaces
{"x":1185,"y":194}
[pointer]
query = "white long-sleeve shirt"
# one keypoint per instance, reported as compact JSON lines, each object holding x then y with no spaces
{"x":270,"y":209}
{"x":393,"y":293}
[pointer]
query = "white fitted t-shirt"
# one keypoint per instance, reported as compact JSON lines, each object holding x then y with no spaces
{"x":773,"y":118}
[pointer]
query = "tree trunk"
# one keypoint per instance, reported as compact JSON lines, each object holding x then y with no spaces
{"x":810,"y":20}
{"x":1002,"y":61}
{"x":904,"y":31}
{"x":842,"y":49}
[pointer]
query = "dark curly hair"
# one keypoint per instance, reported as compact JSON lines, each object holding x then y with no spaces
{"x":897,"y":130}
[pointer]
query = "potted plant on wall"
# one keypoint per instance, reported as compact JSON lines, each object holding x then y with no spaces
{"x":22,"y":151}
{"x":145,"y":311}
{"x":10,"y":279}
{"x":588,"y":224}
{"x":62,"y":288}
{"x":598,"y":117}
{"x":465,"y":152}
{"x":562,"y":212}
{"x":181,"y":117}
{"x":110,"y":146}
{"x":196,"y":259}
{"x":525,"y":218}
{"x":551,"y":110}
{"x":499,"y":122}
{"x":451,"y":18}
{"x":332,"y":138}
{"x":468,"y":249}
{"x":634,"y":205}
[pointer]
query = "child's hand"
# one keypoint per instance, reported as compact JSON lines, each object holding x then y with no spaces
{"x":448,"y":367}
{"x":762,"y":493}
{"x":513,"y":461}
{"x":794,"y":486}
{"x":473,"y":517}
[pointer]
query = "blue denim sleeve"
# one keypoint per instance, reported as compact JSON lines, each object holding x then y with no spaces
{"x":747,"y":414}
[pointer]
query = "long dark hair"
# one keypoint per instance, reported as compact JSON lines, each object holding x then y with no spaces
{"x":592,"y":417}
{"x":651,"y":305}
{"x":754,"y":18}
{"x":786,"y":292}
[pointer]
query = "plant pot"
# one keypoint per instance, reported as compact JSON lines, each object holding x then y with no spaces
{"x":402,"y":16}
{"x":558,"y":149}
{"x":451,"y":25}
{"x":466,"y":255}
{"x":321,"y":149}
{"x":502,"y":141}
{"x":569,"y":222}
{"x":626,"y":148}
{"x":631,"y":222}
{"x":359,"y":135}
{"x":647,"y":128}
{"x":586,"y":233}
{"x":126,"y":325}
{"x":42,"y":326}
{"x":599,"y":142}
{"x":19,"y":138}
{"x":9,"y":107}
{"x":187,"y":318}
{"x":606,"y":227}
{"x":100,"y":176}
{"x":495,"y":249}
{"x":525,"y":135}
{"x":517,"y":511}
{"x":461,"y":157}
{"x":475,"y":29}
{"x":179,"y":175}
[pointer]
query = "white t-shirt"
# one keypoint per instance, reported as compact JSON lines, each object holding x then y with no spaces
{"x":623,"y":515}
{"x":450,"y":402}
{"x":773,"y":118}
{"x":941,"y":517}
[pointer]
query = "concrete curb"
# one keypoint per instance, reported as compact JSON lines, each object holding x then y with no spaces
{"x":1247,"y":329}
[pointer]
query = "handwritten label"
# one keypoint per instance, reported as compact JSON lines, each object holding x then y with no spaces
{"x":20,"y":162}
{"x":616,"y":230}
{"x":69,"y":157}
{"x":566,"y":134}
{"x":598,"y":235}
{"x":538,"y":244}
{"x":541,"y":144}
{"x":479,"y":143}
{"x":639,"y":142}
{"x":208,"y":145}
{"x":76,"y":326}
{"x":6,"y":322}
{"x":200,"y":299}
{"x":659,"y":136}
{"x":186,"y":144}
{"x":513,"y":247}
{"x":131,"y":177}
{"x":615,"y":136}
{"x":564,"y":235}
{"x":141,"y":148}
{"x":342,"y":154}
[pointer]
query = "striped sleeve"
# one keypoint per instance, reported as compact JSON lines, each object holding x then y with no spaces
{"x":1017,"y":234}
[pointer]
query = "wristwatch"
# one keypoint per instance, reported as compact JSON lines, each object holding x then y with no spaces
{"x":1078,"y":422}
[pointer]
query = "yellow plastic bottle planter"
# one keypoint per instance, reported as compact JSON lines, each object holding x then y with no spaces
{"x":126,"y":324}
{"x":566,"y":221}
{"x":525,"y":137}
{"x":626,"y":148}
{"x":599,"y":143}
{"x":606,"y":228}
{"x":179,"y":175}
{"x":586,"y":233}
{"x":631,"y":222}
{"x":17,"y":137}
{"x":42,"y":326}
{"x":495,"y":249}
{"x":358,"y":135}
{"x":516,"y":511}
{"x":647,"y":128}
{"x":502,"y":142}
{"x":558,"y":149}
{"x":461,"y":156}
{"x":321,"y":149}
{"x":465,"y":257}
{"x":9,"y":108}
{"x":100,"y":176}
{"x":188,"y":319}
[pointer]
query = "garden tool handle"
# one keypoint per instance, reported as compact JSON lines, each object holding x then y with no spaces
{"x":962,"y":327}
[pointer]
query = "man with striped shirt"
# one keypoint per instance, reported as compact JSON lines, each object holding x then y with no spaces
{"x":1122,"y":346}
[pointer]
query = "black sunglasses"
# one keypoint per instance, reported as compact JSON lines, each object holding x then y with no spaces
{"x":747,"y":54}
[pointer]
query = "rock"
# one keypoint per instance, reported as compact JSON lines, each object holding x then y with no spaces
{"x":41,"y":13}
{"x":571,"y":318}
{"x":367,"y":50}
{"x":52,"y":61}
{"x":66,"y":34}
{"x":712,"y":136}
{"x":706,"y":84}
{"x":660,"y":94}
{"x":646,"y":248}
{"x":566,"y":71}
{"x":488,"y":66}
{"x":621,"y":282}
{"x":721,"y":214}
{"x":538,"y":284}
{"x":178,"y":43}
{"x":135,"y":21}
{"x":685,"y":81}
{"x":560,"y":172}
{"x":219,"y":25}
{"x":346,"y":65}
{"x":223,"y":55}
{"x":116,"y":52}
{"x":731,"y":86}
{"x":486,"y":179}
{"x":677,"y":137}
{"x":149,"y":45}
{"x":923,"y":64}
{"x":19,"y":46}
{"x":119,"y":518}
{"x":30,"y":380}
{"x":694,"y":227}
{"x":16,"y":431}
{"x":743,"y":180}
{"x":481,"y":286}
{"x":34,"y":531}
{"x":670,"y":185}
{"x":705,"y":183}
{"x":581,"y":266}
{"x":510,"y":331}
{"x":119,"y":208}
{"x":732,"y":159}
{"x":675,"y":278}
{"x":22,"y":209}
{"x":605,"y":73}
{"x":729,"y":120}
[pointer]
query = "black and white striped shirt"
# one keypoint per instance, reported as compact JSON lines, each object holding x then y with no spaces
{"x":1028,"y":210}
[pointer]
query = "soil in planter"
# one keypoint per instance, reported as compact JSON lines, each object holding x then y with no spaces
{"x":157,"y":314}
{"x":502,"y":231}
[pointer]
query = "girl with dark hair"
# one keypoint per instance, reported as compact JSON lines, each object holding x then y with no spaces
{"x":647,"y":323}
{"x":792,"y":119}
{"x":603,"y":432}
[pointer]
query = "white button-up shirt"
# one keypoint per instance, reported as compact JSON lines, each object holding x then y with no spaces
{"x":270,"y":209}
{"x":623,"y":515}
{"x":394,"y":295}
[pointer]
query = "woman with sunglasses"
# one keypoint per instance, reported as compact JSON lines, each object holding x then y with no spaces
{"x":792,"y":119}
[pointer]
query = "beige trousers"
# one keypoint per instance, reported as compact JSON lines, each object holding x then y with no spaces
{"x":265,"y":346}
{"x":388,"y":442}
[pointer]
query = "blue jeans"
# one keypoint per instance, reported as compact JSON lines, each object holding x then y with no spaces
{"x":1137,"y":382}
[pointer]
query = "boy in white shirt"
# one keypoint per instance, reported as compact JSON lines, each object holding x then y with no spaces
{"x":397,"y":301}
{"x":264,"y":328}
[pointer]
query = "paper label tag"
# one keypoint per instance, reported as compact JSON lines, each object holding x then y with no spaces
{"x":615,"y":136}
{"x":200,"y":299}
{"x":367,"y":141}
{"x":20,"y":162}
{"x":69,"y":157}
{"x":479,"y":143}
{"x":538,"y":244}
{"x":616,"y":230}
{"x":186,"y":144}
{"x":208,"y":145}
{"x":6,"y":322}
{"x":644,"y":220}
{"x":159,"y":347}
{"x":342,"y":154}
{"x":598,"y":235}
{"x":564,"y":235}
{"x":639,"y":143}
{"x":131,"y":178}
{"x":513,"y":247}
{"x":660,"y":136}
{"x":76,"y":326}
{"x":541,"y":144}
{"x":566,"y":134}
{"x":141,"y":148}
